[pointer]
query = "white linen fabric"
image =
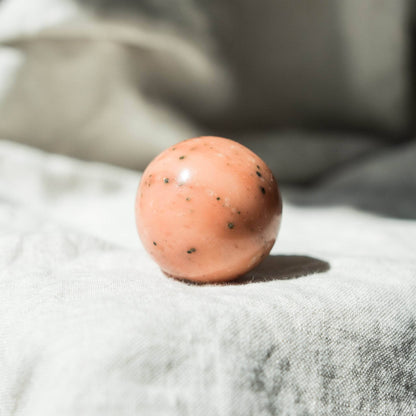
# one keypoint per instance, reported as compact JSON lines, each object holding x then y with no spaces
{"x":90,"y":326}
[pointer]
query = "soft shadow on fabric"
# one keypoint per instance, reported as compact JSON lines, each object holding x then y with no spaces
{"x":391,"y":203}
{"x":283,"y":268}
{"x":383,"y":184}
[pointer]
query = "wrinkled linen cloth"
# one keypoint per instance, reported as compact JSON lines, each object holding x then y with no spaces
{"x":90,"y":326}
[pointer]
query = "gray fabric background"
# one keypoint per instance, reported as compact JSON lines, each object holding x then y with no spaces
{"x":118,"y":81}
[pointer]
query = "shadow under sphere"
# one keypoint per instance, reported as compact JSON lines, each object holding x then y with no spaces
{"x":283,"y":267}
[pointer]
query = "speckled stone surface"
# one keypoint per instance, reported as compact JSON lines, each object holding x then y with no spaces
{"x":208,"y":209}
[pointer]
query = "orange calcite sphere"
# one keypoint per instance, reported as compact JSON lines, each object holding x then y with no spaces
{"x":208,"y":210}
